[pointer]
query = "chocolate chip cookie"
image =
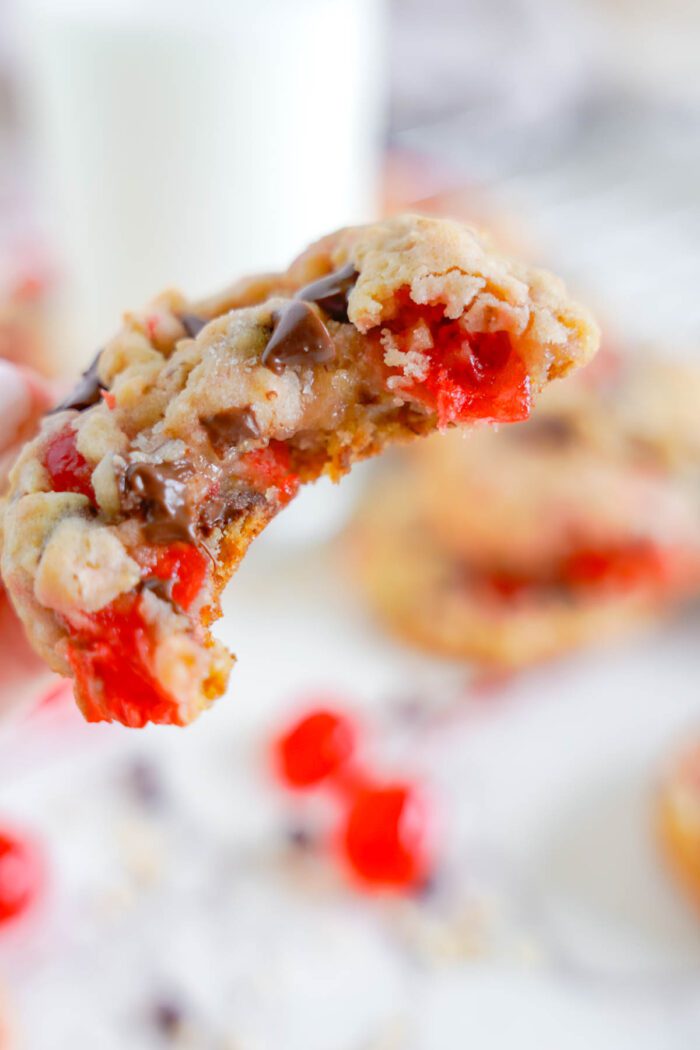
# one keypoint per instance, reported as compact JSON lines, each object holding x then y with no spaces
{"x":511,"y":548}
{"x":199,"y":420}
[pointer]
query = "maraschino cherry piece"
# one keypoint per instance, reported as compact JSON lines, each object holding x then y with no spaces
{"x":314,"y":748}
{"x":20,"y":875}
{"x":384,"y":839}
{"x":272,"y":467}
{"x":186,"y":566}
{"x":68,"y":469}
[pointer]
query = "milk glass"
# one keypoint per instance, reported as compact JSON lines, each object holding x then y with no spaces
{"x":182,"y":143}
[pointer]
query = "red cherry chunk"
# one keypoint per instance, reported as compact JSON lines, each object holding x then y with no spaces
{"x":469,"y":375}
{"x":110,"y":656}
{"x":271,"y":467}
{"x":186,"y":567}
{"x":314,"y":748}
{"x":20,"y":875}
{"x":68,"y":469}
{"x":623,"y":567}
{"x":384,"y":840}
{"x":479,"y":377}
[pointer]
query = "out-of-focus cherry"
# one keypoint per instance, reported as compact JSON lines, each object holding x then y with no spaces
{"x":314,"y":748}
{"x":385,"y":836}
{"x":21,"y":875}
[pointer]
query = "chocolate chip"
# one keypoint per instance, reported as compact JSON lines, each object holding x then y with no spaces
{"x":299,"y":337}
{"x":161,"y":492}
{"x":168,"y":1017}
{"x":161,"y":588}
{"x":331,"y":292}
{"x":410,"y":709}
{"x":221,"y":510}
{"x":301,"y":838}
{"x":193,"y":324}
{"x":87,"y":392}
{"x":144,"y":782}
{"x":228,"y":428}
{"x":427,"y":887}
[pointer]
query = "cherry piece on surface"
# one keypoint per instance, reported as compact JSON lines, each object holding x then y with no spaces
{"x":384,"y":839}
{"x":20,"y":875}
{"x":314,"y":748}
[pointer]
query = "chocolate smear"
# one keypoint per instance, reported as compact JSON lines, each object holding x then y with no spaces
{"x":193,"y":324}
{"x":299,"y":337}
{"x":331,"y":292}
{"x":87,"y":392}
{"x":228,"y":428}
{"x":161,"y":490}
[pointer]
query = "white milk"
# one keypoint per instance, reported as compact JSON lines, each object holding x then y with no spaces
{"x":184,"y":143}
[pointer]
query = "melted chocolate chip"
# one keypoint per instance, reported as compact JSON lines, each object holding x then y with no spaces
{"x":87,"y":392}
{"x":227,"y":506}
{"x":162,"y":588}
{"x":193,"y":324}
{"x":331,"y":292}
{"x":161,"y":491}
{"x":299,"y":337}
{"x":229,"y":428}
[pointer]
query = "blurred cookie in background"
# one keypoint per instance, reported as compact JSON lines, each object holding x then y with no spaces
{"x":679,"y":817}
{"x":511,"y":548}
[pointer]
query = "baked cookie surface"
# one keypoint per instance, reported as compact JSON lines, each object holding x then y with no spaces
{"x":191,"y":429}
{"x":571,"y":528}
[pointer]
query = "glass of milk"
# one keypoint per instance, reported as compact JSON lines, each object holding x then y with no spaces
{"x":184,"y":143}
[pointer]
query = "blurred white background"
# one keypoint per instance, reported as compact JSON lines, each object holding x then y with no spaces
{"x":572,"y":126}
